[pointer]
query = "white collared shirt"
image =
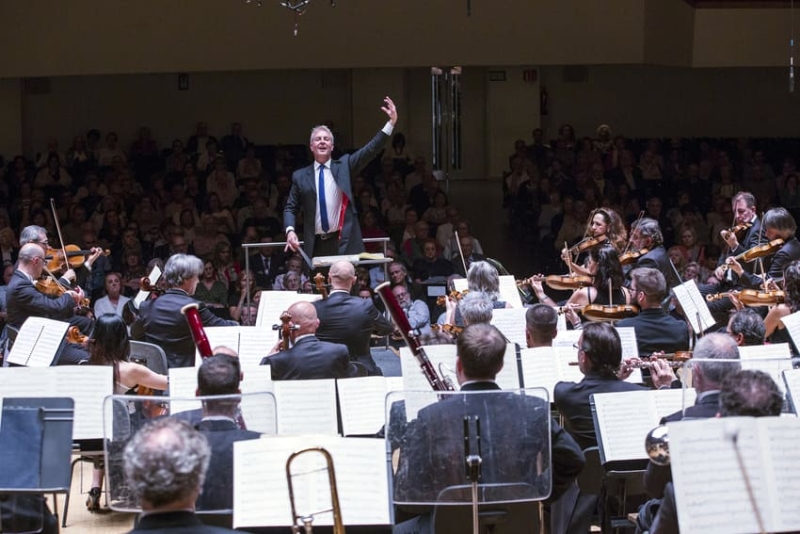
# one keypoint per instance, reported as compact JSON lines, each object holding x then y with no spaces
{"x":333,"y":199}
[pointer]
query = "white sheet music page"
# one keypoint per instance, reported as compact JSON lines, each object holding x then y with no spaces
{"x":255,"y":342}
{"x":567,"y":338}
{"x":792,"y":324}
{"x":669,"y":401}
{"x":511,"y":322}
{"x":627,"y":336}
{"x":361,"y":404}
{"x":414,"y":379}
{"x":509,"y":292}
{"x":88,"y":385}
{"x":782,"y":458}
{"x":227,"y":336}
{"x":567,"y":360}
{"x":772,"y":359}
{"x":791,"y":377}
{"x":508,"y":377}
{"x":261,"y":493}
{"x":273,"y":303}
{"x":306,"y":406}
{"x":540,"y":368}
{"x":259,"y":407}
{"x":710,"y":490}
{"x":37,"y":342}
{"x":153,"y":277}
{"x":693,"y":304}
{"x":624,"y":419}
{"x":183,"y":385}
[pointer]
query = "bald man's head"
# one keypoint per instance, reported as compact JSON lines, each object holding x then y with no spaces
{"x":304,"y":315}
{"x":342,"y":275}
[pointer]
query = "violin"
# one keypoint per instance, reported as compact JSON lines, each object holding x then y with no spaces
{"x":559,"y":281}
{"x":752,"y":297}
{"x":75,"y":257}
{"x":451,"y":329}
{"x":609,"y":312}
{"x":74,"y":336}
{"x":587,"y":243}
{"x":52,"y":288}
{"x":441,"y":300}
{"x":319,"y":281}
{"x":630,"y":257}
{"x":761,"y":251}
{"x":736,"y":229}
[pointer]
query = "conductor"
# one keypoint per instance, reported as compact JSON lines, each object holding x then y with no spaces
{"x":323,"y":192}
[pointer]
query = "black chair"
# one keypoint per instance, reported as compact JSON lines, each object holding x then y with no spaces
{"x":150,"y":355}
{"x":496,"y":518}
{"x":36,"y":440}
{"x":11,"y":333}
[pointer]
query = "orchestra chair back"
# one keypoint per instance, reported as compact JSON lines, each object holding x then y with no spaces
{"x":36,"y":440}
{"x":445,"y":442}
{"x":150,"y":355}
{"x":10,"y":336}
{"x":222,"y":419}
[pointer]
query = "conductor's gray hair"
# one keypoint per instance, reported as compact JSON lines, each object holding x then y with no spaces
{"x":181,"y":267}
{"x":166,"y":461}
{"x":482,"y":276}
{"x":476,"y":307}
{"x":319,"y":127}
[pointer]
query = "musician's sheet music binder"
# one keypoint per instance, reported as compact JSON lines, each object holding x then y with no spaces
{"x":261,"y":495}
{"x":39,"y":343}
{"x":251,"y":343}
{"x":772,"y":359}
{"x":622,"y":420}
{"x":511,"y":323}
{"x":694,"y":305}
{"x":361,"y":403}
{"x":792,"y":324}
{"x":508,"y":289}
{"x":791,"y":378}
{"x":87,"y":385}
{"x":711,"y":485}
{"x":153,"y":277}
{"x":273,"y":303}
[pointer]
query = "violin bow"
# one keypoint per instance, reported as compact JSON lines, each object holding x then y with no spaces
{"x":461,"y":253}
{"x":569,"y":263}
{"x":58,"y":230}
{"x":630,"y":235}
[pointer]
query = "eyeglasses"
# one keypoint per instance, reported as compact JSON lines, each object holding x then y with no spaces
{"x":45,"y":242}
{"x":577,"y":346}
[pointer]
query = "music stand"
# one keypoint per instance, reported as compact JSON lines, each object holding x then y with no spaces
{"x":431,"y":477}
{"x":36,"y":439}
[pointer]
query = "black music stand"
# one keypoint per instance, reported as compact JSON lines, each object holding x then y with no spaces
{"x":36,"y":439}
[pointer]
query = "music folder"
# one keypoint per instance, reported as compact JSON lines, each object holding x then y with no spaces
{"x":39,"y":342}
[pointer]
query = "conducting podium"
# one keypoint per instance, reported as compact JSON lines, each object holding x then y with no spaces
{"x":469,"y":461}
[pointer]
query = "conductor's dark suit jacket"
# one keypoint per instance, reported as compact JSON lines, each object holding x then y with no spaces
{"x":656,"y":330}
{"x":303,"y":196}
{"x":176,"y":523}
{"x":218,"y":488}
{"x":165,"y":325}
{"x":510,"y":425}
{"x":351,"y":321}
{"x":572,"y":401}
{"x":311,"y":359}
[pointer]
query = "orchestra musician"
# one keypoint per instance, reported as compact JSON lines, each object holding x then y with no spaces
{"x":747,"y":328}
{"x":605,"y":227}
{"x":162,"y":320}
{"x":604,"y":267}
{"x":647,"y":239}
{"x":775,"y":330}
{"x":744,"y":213}
{"x":24,"y":300}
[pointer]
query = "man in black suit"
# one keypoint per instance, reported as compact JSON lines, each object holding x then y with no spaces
{"x":350,"y":320}
{"x":655,"y":329}
{"x":165,"y":464}
{"x":309,"y":358}
{"x":323,"y":192}
{"x":744,"y":213}
{"x":646,"y":234}
{"x":220,"y":375}
{"x":511,"y":427}
{"x":23,"y":300}
{"x":163,"y":322}
{"x":747,"y":328}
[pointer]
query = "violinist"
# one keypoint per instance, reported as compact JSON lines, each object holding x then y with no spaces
{"x":655,"y":329}
{"x":605,"y":227}
{"x":776,"y":331}
{"x":748,"y":328}
{"x":604,"y":267}
{"x":648,"y":241}
{"x":778,"y":224}
{"x":24,"y":300}
{"x":745,"y":217}
{"x":309,"y":358}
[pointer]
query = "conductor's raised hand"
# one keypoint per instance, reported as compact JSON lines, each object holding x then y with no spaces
{"x":390,"y":109}
{"x":291,"y":242}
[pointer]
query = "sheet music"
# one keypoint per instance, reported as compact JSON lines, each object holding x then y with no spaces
{"x":87,"y":385}
{"x":693,"y":303}
{"x":509,"y":292}
{"x":669,"y":401}
{"x":627,"y":336}
{"x":511,"y":322}
{"x":220,"y":335}
{"x":792,"y":324}
{"x":540,"y":368}
{"x":361,"y":404}
{"x":38,"y":342}
{"x":710,"y":492}
{"x":772,"y":359}
{"x":259,"y":407}
{"x":273,"y":303}
{"x":261,"y":494}
{"x":183,"y":385}
{"x":306,"y":406}
{"x":255,"y":343}
{"x":414,"y":379}
{"x":783,"y":461}
{"x":624,"y":419}
{"x":153,"y":277}
{"x":567,"y":338}
{"x":791,"y":377}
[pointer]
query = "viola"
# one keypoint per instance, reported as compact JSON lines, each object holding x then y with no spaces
{"x":588,"y":243}
{"x":752,"y":297}
{"x":761,"y":251}
{"x":609,"y":312}
{"x":151,"y":409}
{"x":52,"y":288}
{"x":146,"y":285}
{"x":74,"y":336}
{"x":560,"y":282}
{"x":75,"y":257}
{"x":632,"y":256}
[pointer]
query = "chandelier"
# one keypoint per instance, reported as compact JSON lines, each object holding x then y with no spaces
{"x":298,"y":7}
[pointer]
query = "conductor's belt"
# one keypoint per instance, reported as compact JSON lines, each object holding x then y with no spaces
{"x":329,"y":235}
